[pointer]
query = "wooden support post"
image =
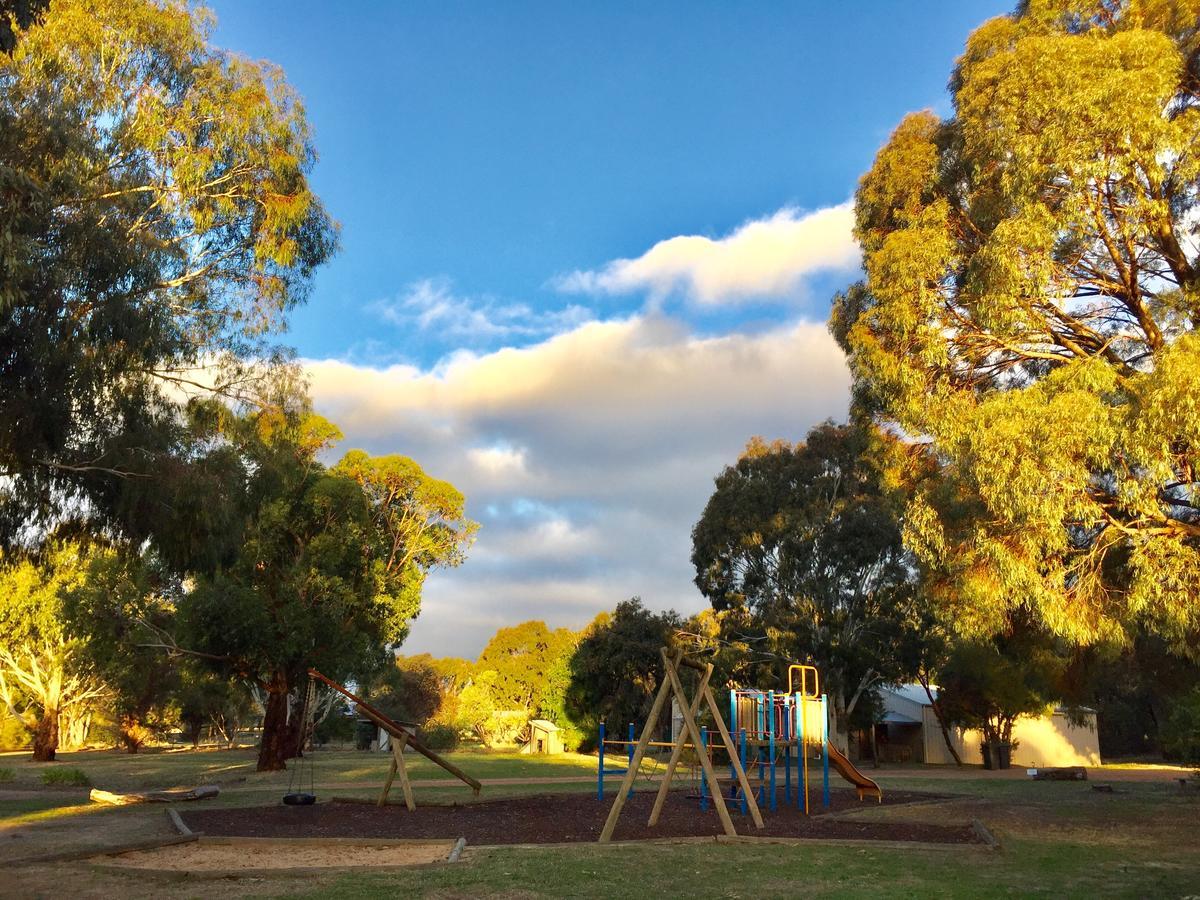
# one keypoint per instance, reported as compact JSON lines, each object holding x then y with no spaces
{"x":387,"y":785}
{"x":677,"y":751}
{"x":614,"y":813}
{"x":735,"y":761}
{"x":689,"y":722}
{"x":398,"y":754}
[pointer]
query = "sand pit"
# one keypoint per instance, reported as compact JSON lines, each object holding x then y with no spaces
{"x":256,"y":854}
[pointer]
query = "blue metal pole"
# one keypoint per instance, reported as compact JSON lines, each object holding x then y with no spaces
{"x":771,"y":722}
{"x":825,"y":743}
{"x":802,"y":758}
{"x":744,"y":805}
{"x":758,"y":747}
{"x":703,"y":776}
{"x":788,"y":737}
{"x":600,"y":767}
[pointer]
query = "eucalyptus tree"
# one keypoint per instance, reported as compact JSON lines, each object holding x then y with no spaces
{"x":329,"y":569}
{"x":45,"y":675}
{"x":1029,"y":318}
{"x":799,"y":552}
{"x":156,"y":226}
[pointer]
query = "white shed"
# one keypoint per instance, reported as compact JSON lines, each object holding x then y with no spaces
{"x":1050,"y":740}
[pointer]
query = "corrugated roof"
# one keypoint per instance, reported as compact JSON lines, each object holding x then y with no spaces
{"x":914,"y":693}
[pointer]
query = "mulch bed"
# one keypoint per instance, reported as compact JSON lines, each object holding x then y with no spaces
{"x":564,"y":818}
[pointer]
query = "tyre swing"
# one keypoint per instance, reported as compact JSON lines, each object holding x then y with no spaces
{"x":296,"y":795}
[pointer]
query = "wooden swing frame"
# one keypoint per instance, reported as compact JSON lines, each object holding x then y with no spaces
{"x":688,"y":708}
{"x":401,"y":737}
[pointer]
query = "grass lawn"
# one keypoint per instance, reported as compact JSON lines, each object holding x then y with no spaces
{"x":1058,"y":838}
{"x":153,"y":769}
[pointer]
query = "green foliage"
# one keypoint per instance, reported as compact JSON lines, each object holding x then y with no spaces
{"x":203,"y":697}
{"x":524,"y":657}
{"x":337,"y":726}
{"x":157,"y":218}
{"x":440,"y":737}
{"x":14,"y":735}
{"x":65,"y":776}
{"x":1133,"y":689}
{"x":987,"y":685}
{"x":122,"y":604}
{"x":1030,"y":308}
{"x":331,"y":562}
{"x":616,"y":669}
{"x":408,"y":691}
{"x":7,"y":775}
{"x":1181,"y":732}
{"x":800,"y":553}
{"x":44,"y":674}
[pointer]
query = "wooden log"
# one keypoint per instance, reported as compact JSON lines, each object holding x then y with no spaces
{"x":398,"y":755}
{"x":735,"y":757}
{"x":689,"y":722}
{"x":1061,"y":773}
{"x":387,"y":785}
{"x":203,"y":792}
{"x":677,"y":752}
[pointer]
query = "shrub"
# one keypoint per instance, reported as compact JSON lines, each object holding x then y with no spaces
{"x":14,"y":735}
{"x":1181,"y":732}
{"x":440,"y":737}
{"x":65,"y":777}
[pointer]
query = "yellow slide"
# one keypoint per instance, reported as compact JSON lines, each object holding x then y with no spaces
{"x":861,"y":782}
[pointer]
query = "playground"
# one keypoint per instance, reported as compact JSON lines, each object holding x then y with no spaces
{"x":533,"y":825}
{"x":1060,"y":837}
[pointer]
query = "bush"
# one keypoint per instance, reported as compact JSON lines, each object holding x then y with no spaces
{"x":1181,"y":732}
{"x":7,"y":775}
{"x":338,"y":726}
{"x":13,"y":734}
{"x":440,"y":737}
{"x":65,"y":777}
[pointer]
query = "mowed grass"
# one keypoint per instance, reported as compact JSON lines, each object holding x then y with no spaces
{"x":1058,"y":838}
{"x":158,"y":769}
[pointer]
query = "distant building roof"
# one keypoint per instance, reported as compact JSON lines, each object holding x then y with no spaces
{"x":543,"y":724}
{"x":914,"y":693}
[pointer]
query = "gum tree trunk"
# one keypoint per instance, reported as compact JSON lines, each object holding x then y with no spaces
{"x":276,"y":747}
{"x":45,"y":736}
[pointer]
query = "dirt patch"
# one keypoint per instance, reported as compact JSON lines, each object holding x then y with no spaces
{"x":204,"y":856}
{"x":564,"y":818}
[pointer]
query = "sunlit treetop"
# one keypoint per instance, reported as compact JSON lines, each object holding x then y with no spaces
{"x":155,"y":218}
{"x":1029,"y":314}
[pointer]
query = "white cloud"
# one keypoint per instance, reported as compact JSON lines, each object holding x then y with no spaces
{"x":586,"y":457}
{"x":432,"y":306}
{"x":762,"y":258}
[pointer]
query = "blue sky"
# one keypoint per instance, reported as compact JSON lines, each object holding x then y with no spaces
{"x":588,"y":251}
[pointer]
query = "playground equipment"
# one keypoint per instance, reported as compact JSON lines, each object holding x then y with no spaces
{"x":772,"y":730}
{"x":672,"y":685}
{"x":401,"y":737}
{"x":296,"y":795}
